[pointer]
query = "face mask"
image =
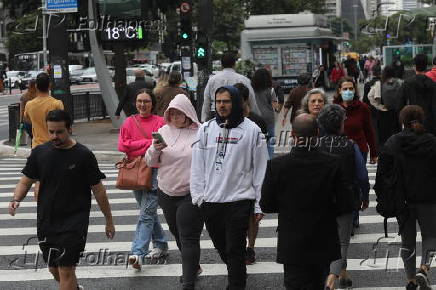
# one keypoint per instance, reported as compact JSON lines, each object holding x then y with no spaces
{"x":347,"y":95}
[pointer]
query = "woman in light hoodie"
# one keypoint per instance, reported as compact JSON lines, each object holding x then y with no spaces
{"x":173,"y":157}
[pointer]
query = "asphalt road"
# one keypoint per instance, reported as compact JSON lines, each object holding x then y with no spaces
{"x":370,"y":266}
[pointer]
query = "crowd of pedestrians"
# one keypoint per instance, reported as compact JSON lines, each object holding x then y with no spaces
{"x":221,"y":173}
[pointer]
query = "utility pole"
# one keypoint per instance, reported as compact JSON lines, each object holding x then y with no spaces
{"x":203,"y":49}
{"x":355,"y":6}
{"x":44,"y":34}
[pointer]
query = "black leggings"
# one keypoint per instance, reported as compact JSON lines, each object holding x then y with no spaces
{"x":185,"y":223}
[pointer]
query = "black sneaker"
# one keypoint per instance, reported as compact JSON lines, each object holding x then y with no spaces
{"x":422,"y":280}
{"x":199,"y":271}
{"x":345,"y":283}
{"x":250,"y":256}
{"x":411,"y":286}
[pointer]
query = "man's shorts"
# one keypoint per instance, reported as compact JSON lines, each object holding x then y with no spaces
{"x":62,"y":250}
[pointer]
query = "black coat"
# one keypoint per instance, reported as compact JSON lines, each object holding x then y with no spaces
{"x":418,"y":164}
{"x":302,"y":188}
{"x":421,"y":90}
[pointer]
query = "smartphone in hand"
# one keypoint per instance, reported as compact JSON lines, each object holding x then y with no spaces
{"x":158,"y":137}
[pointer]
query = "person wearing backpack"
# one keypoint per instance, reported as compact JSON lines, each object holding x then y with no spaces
{"x":384,"y":97}
{"x":405,"y":188}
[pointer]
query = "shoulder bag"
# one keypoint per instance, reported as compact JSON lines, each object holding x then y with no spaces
{"x":134,"y":174}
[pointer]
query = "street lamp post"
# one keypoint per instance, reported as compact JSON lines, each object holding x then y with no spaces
{"x":44,"y":35}
{"x":355,"y":6}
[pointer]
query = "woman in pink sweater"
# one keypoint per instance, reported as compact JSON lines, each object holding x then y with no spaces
{"x":134,"y":140}
{"x":174,"y":160}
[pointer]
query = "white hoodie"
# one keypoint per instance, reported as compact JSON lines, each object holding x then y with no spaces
{"x":238,"y":174}
{"x":174,"y":161}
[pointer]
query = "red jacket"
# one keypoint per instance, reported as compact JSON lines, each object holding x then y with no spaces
{"x":358,"y":126}
{"x":432,"y":74}
{"x":336,"y":74}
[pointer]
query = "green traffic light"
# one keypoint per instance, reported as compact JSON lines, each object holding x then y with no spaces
{"x":201,"y":52}
{"x":139,"y":32}
{"x":185,"y":35}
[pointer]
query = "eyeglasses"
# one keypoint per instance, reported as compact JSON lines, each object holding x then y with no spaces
{"x":143,"y":101}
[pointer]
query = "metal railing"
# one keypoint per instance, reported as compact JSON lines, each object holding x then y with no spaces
{"x":86,"y":105}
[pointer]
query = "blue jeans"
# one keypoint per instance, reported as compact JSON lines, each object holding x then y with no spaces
{"x":271,"y":140}
{"x":148,"y":227}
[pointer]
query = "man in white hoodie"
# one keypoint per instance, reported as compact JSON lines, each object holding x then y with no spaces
{"x":228,"y":166}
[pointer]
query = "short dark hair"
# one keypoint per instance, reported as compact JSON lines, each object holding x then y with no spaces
{"x":43,"y":82}
{"x":412,"y":116}
{"x":262,"y":80}
{"x":174,"y":78}
{"x":331,"y":118}
{"x":388,"y":73}
{"x":244,"y":92}
{"x":228,"y":60}
{"x":150,"y":93}
{"x":420,"y":61}
{"x":60,"y":116}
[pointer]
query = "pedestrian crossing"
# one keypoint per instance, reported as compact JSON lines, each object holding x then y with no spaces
{"x":373,"y":262}
{"x":4,"y":116}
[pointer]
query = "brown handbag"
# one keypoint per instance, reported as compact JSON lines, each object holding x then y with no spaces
{"x":134,"y":174}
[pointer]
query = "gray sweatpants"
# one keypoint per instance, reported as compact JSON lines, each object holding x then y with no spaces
{"x":345,"y":225}
{"x":425,"y":214}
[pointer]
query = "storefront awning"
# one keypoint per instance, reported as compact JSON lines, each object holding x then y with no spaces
{"x":290,"y":33}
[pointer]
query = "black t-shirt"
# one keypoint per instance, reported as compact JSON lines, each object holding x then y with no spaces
{"x":66,"y":177}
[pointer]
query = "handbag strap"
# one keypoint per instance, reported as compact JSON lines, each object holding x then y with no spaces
{"x":140,"y":128}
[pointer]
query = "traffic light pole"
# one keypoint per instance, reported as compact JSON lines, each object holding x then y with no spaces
{"x":203,"y":49}
{"x":186,"y":42}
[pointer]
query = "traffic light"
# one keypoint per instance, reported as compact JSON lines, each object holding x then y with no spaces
{"x":186,"y":23}
{"x":202,"y":47}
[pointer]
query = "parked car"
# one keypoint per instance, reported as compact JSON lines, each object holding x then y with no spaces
{"x":89,"y":75}
{"x":30,"y":75}
{"x":15,"y":78}
{"x":130,"y":73}
{"x":151,"y":68}
{"x":76,"y":76}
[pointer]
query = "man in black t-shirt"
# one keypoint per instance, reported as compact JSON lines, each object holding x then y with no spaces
{"x":67,"y":172}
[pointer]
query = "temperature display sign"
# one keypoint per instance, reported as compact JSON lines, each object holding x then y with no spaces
{"x":123,"y":33}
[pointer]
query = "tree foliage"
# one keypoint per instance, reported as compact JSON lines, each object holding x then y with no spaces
{"x":258,"y":7}
{"x":21,"y":38}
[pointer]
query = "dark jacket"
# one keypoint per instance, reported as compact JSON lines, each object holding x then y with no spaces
{"x":421,"y":90}
{"x":128,"y":100}
{"x":302,"y":188}
{"x":358,"y":126}
{"x":418,"y":164}
{"x":164,"y":96}
{"x":354,"y":167}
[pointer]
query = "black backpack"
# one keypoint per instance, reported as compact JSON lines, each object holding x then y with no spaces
{"x":390,"y":94}
{"x":389,"y":189}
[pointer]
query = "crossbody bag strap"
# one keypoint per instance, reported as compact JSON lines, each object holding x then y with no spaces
{"x":140,"y":128}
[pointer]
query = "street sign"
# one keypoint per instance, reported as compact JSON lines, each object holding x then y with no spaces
{"x":61,"y":6}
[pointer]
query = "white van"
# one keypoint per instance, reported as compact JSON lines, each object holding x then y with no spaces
{"x":192,"y":82}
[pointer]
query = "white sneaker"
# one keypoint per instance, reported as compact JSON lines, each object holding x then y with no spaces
{"x":157,"y":253}
{"x":80,"y":287}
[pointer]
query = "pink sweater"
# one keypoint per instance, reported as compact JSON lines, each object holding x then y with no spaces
{"x":131,"y":141}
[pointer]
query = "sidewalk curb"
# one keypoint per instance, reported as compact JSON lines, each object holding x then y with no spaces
{"x":8,"y":150}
